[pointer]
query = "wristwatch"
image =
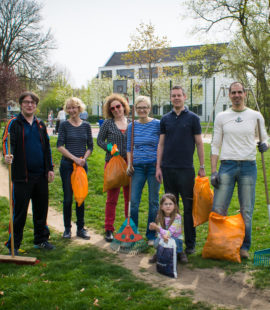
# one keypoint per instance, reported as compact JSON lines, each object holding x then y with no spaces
{"x":202,"y":167}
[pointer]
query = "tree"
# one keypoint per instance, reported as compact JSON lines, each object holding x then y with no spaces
{"x":248,"y":55}
{"x":22,"y":43}
{"x":147,"y":50}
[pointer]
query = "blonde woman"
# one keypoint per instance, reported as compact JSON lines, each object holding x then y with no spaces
{"x":113,"y":131}
{"x":75,"y":142}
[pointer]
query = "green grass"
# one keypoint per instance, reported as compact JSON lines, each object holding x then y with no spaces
{"x":74,"y":277}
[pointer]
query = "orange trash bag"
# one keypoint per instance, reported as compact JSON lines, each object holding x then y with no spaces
{"x":79,"y":183}
{"x":115,"y":173}
{"x":202,"y":200}
{"x":225,"y":237}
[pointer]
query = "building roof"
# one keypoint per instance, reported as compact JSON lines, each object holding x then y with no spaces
{"x":117,"y":57}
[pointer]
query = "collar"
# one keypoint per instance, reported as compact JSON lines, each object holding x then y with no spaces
{"x":183,"y":111}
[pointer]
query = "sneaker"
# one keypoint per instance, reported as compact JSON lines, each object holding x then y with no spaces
{"x":190,"y":251}
{"x":67,"y":234}
{"x":108,"y":235}
{"x":150,"y":242}
{"x":244,"y":254}
{"x":44,"y":245}
{"x":83,"y":233}
{"x":153,"y":259}
{"x":16,"y":252}
{"x":182,"y":257}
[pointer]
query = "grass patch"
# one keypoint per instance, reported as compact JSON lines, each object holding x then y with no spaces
{"x":76,"y":277}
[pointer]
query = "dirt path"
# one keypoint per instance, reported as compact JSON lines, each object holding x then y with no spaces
{"x":210,"y":285}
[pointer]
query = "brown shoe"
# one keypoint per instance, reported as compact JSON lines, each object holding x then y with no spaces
{"x":182,"y":257}
{"x":244,"y":254}
{"x":153,"y":259}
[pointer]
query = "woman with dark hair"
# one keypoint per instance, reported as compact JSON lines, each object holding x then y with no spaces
{"x":113,"y":131}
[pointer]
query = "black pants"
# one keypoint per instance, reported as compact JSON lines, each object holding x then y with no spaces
{"x":181,"y":182}
{"x":35,"y":189}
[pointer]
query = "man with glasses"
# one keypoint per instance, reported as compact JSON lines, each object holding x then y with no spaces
{"x":32,"y":169}
{"x":180,"y":131}
{"x":234,"y":144}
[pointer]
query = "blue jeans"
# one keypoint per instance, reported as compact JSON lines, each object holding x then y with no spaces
{"x":179,"y":244}
{"x":245,"y":174}
{"x":66,"y":169}
{"x":143,"y":172}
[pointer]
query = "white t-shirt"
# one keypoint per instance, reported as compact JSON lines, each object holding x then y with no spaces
{"x":61,"y":115}
{"x":235,"y":134}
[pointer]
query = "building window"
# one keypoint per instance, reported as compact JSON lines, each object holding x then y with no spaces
{"x":155,"y":109}
{"x":106,"y":74}
{"x":173,"y":70}
{"x":197,"y":109}
{"x":126,"y":73}
{"x":144,"y":73}
{"x":194,"y":70}
{"x":167,"y":108}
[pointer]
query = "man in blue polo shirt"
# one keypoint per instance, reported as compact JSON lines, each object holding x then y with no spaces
{"x":180,"y":131}
{"x":32,"y":169}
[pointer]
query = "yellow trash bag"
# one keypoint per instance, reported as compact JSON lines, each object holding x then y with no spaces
{"x":115,"y":173}
{"x":79,"y":183}
{"x":225,"y":237}
{"x":202,"y":200}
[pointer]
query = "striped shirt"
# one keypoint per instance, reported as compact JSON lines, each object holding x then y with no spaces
{"x":110,"y":133}
{"x":77,"y":140}
{"x":146,"y":138}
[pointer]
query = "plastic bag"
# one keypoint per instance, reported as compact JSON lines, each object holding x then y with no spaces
{"x":225,"y":237}
{"x":115,"y":173}
{"x":79,"y":183}
{"x":202,"y":200}
{"x":167,"y":258}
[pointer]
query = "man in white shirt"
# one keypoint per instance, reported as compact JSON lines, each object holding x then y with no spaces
{"x":234,"y":144}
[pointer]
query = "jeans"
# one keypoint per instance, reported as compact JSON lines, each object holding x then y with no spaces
{"x":66,"y":169}
{"x":245,"y":174}
{"x":143,"y":172}
{"x":179,"y":244}
{"x":181,"y":181}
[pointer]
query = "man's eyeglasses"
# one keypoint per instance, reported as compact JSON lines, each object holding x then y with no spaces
{"x":118,"y":106}
{"x":26,"y":102}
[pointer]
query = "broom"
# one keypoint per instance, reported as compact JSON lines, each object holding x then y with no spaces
{"x":12,"y":258}
{"x":128,"y":239}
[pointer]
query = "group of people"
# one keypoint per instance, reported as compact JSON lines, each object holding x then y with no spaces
{"x":162,"y":152}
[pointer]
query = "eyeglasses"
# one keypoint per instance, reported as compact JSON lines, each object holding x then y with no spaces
{"x":118,"y":106}
{"x":142,"y":108}
{"x":26,"y":102}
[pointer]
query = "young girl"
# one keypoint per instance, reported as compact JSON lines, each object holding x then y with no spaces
{"x":168,"y":225}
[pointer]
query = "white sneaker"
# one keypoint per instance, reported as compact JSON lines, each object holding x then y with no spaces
{"x":150,"y":242}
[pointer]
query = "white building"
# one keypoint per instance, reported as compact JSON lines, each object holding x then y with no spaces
{"x":213,"y":89}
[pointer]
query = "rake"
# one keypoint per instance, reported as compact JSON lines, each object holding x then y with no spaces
{"x":128,"y":239}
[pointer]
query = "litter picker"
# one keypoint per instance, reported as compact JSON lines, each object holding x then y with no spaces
{"x":263,"y":257}
{"x":20,"y":260}
{"x":128,"y":239}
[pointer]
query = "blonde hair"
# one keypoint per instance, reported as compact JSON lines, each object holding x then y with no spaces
{"x":161,"y":215}
{"x":76,"y":102}
{"x":107,"y":106}
{"x":145,"y":99}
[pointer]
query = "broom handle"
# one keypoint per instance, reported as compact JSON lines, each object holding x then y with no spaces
{"x":10,"y":201}
{"x":264,"y":170}
{"x":131,"y":159}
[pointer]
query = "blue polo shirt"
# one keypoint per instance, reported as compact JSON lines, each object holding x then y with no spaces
{"x":33,"y":148}
{"x":179,"y":144}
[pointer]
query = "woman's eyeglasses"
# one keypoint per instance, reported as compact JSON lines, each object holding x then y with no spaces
{"x":118,"y":106}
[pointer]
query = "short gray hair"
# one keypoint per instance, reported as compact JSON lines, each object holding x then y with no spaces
{"x":145,"y":99}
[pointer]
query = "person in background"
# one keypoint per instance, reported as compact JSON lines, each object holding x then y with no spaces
{"x":169,"y":225}
{"x":146,"y":137}
{"x":84,"y":115}
{"x":114,"y":131}
{"x":75,"y":143}
{"x":32,"y":169}
{"x":61,"y":117}
{"x":234,"y":136}
{"x":180,"y":132}
{"x":50,"y":119}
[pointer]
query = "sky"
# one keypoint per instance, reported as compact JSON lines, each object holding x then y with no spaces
{"x":88,"y":32}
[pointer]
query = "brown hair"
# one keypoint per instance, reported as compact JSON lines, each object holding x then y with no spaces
{"x":230,"y":88}
{"x":107,"y":106}
{"x":31,"y":94}
{"x":179,"y":87}
{"x":161,"y":216}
